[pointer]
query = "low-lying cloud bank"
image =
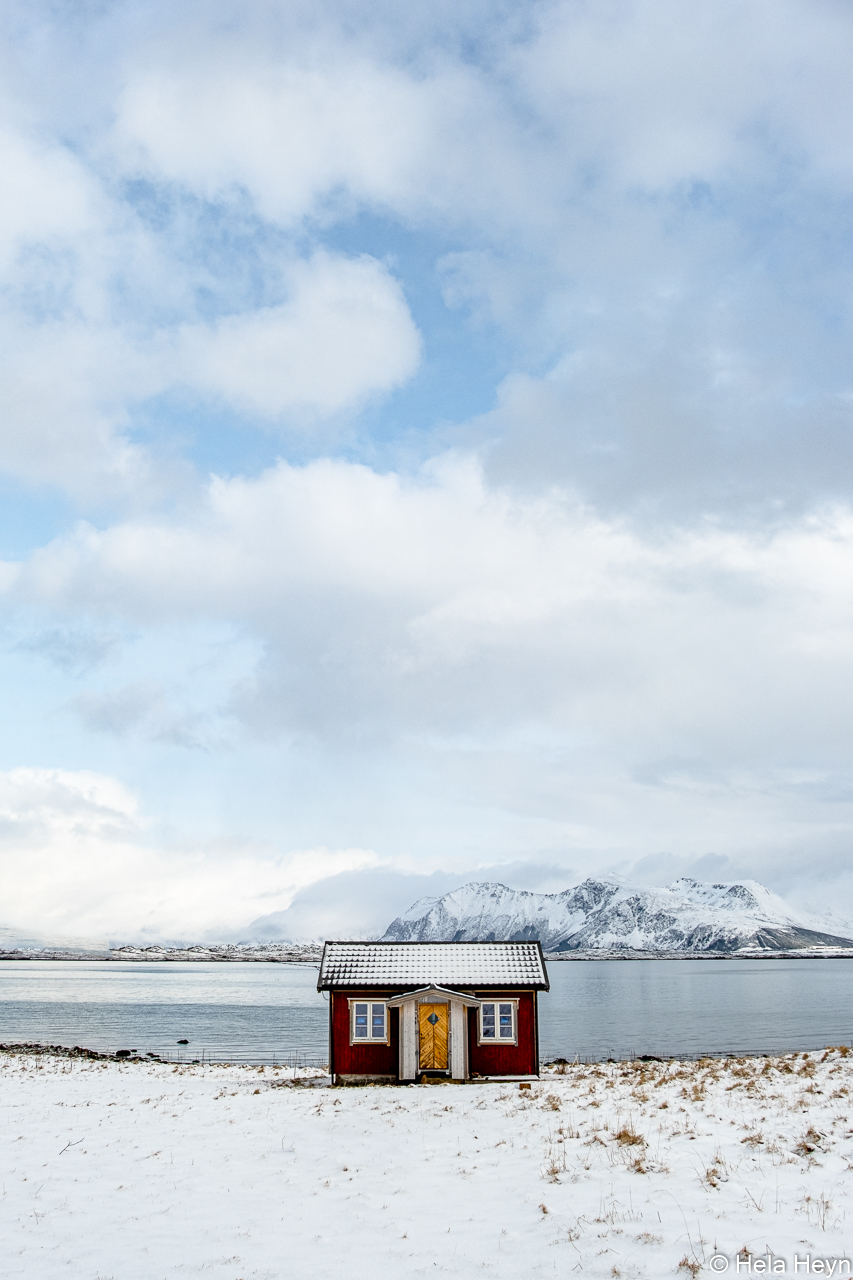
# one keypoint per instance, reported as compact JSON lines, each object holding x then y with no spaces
{"x":77,"y":860}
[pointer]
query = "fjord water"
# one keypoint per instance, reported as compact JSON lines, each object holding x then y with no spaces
{"x":273,"y":1013}
{"x":227,"y":1012}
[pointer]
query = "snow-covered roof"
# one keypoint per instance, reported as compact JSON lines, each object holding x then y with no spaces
{"x":415,"y":964}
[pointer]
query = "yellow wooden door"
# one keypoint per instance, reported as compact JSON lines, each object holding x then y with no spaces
{"x":433,"y":1024}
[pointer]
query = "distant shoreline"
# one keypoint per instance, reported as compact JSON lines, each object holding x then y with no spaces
{"x":293,"y":953}
{"x":306,"y":954}
{"x":805,"y":954}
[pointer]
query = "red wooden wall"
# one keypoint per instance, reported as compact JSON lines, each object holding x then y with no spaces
{"x":362,"y":1059}
{"x":483,"y":1059}
{"x":498,"y":1059}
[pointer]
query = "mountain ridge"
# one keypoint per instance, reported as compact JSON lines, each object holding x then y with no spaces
{"x":610,"y":915}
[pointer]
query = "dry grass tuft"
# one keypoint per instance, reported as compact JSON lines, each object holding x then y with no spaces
{"x":691,"y":1265}
{"x":809,"y":1142}
{"x":817,"y":1209}
{"x":627,"y":1137}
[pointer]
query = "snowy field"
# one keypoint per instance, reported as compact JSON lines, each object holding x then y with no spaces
{"x":137,"y":1171}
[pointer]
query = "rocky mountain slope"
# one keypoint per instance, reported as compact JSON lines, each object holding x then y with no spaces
{"x":608,"y":915}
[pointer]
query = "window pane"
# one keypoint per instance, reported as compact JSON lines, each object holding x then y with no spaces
{"x":360,"y":1022}
{"x":378,"y":1023}
{"x":487,"y":1013}
{"x":506,"y":1032}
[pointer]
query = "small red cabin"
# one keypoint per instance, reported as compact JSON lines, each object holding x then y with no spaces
{"x":399,"y":1011}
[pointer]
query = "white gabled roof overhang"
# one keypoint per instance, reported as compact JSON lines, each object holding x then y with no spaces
{"x":421,"y":994}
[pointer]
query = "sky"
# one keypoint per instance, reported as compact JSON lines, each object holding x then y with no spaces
{"x":426,"y":456}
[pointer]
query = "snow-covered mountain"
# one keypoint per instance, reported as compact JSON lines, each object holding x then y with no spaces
{"x":611,"y":915}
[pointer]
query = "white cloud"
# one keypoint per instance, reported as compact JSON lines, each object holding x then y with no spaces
{"x":65,"y":369}
{"x":624,"y":98}
{"x":655,"y":99}
{"x":99,"y":313}
{"x":288,"y":133}
{"x":46,"y":195}
{"x":327,"y":126}
{"x":76,"y":859}
{"x":564,"y":163}
{"x":72,"y":377}
{"x":437,"y":604}
{"x":66,"y":428}
{"x":344,"y":334}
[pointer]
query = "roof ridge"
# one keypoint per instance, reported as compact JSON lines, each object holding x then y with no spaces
{"x":431,"y":942}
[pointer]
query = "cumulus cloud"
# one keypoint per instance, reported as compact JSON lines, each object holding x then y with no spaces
{"x":68,"y":429}
{"x":46,"y":195}
{"x":65,"y":370}
{"x":661,"y":102}
{"x":78,"y":858}
{"x":287,"y":133}
{"x":101,"y":312}
{"x":653,"y":209}
{"x":628,"y":100}
{"x":345,"y":333}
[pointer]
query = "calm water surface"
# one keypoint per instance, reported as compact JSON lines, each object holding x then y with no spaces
{"x":238,"y":1012}
{"x":272,"y":1012}
{"x":624,"y":1008}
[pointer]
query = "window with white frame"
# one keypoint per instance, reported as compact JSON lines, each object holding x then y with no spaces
{"x":368,"y":1022}
{"x":498,"y":1022}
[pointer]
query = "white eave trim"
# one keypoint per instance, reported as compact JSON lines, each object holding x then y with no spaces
{"x":432,"y":990}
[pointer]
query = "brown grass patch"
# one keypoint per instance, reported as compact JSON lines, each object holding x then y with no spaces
{"x":627,"y":1137}
{"x":809,"y":1142}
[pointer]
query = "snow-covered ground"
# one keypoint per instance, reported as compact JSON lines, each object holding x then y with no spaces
{"x":136,"y":1171}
